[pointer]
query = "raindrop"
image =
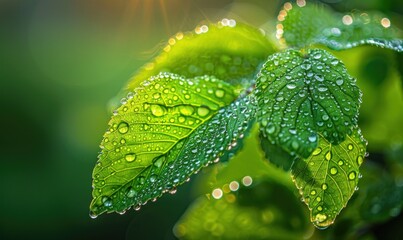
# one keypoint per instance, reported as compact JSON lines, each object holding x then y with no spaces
{"x":186,"y":110}
{"x":312,"y":137}
{"x":123,"y":127}
{"x":270,"y":129}
{"x":158,"y":110}
{"x":130,"y":157}
{"x":291,"y":86}
{"x":352,"y":175}
{"x":317,"y":151}
{"x":333,"y":171}
{"x":219,"y":93}
{"x":203,"y":111}
{"x":360,"y":159}
{"x":130,"y":192}
{"x":107,"y":202}
{"x":328,"y":155}
{"x":324,"y":186}
{"x":339,"y":81}
{"x":93,"y":215}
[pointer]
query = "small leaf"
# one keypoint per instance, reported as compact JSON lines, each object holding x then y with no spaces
{"x":255,"y":212}
{"x":301,"y":95}
{"x":337,"y":31}
{"x":161,"y":152}
{"x":328,"y":178}
{"x":228,"y":50}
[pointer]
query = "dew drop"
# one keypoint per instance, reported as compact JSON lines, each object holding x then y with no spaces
{"x":93,"y":215}
{"x":317,"y":151}
{"x":319,"y":208}
{"x":158,"y":110}
{"x":339,"y":81}
{"x":350,"y":147}
{"x":328,"y":155}
{"x":352,"y":175}
{"x":203,"y":111}
{"x":333,"y":170}
{"x":219,"y":93}
{"x":341,"y":163}
{"x":312,"y":137}
{"x":313,"y":192}
{"x":320,"y":218}
{"x":130,"y":157}
{"x":324,"y":186}
{"x":360,"y":159}
{"x":130,"y":192}
{"x":186,"y":110}
{"x":325,"y":117}
{"x":291,"y":86}
{"x":107,"y":202}
{"x":270,"y":129}
{"x":123,"y":127}
{"x":295,"y":145}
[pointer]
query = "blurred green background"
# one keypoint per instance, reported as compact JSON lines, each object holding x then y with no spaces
{"x":61,"y":63}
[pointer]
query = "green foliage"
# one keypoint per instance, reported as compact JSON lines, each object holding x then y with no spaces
{"x":228,"y":50}
{"x":328,"y":178}
{"x":301,"y":95}
{"x":194,"y":103}
{"x":338,"y":31}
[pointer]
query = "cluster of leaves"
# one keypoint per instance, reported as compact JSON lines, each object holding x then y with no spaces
{"x":195,"y":103}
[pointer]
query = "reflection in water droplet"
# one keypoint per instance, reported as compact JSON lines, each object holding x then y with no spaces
{"x":106,"y":201}
{"x":360,"y":159}
{"x":186,"y":110}
{"x":158,"y":110}
{"x":130,"y":192}
{"x":219,"y":93}
{"x":312,"y":137}
{"x":317,"y":151}
{"x":130,"y":157}
{"x":123,"y":127}
{"x":270,"y":129}
{"x":352,"y":175}
{"x":203,"y":111}
{"x":328,"y":155}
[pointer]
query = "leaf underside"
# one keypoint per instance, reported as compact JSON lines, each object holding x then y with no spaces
{"x":301,"y":95}
{"x":161,"y":152}
{"x":338,"y":31}
{"x":328,"y":178}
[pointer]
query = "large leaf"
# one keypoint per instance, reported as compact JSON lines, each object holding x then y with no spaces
{"x":336,"y":31}
{"x":266,"y":210}
{"x":228,"y":50}
{"x":301,"y":95}
{"x":328,"y":178}
{"x":167,"y":137}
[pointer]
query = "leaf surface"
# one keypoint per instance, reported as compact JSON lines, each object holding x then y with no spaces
{"x":168,"y":136}
{"x":328,"y":178}
{"x":301,"y":95}
{"x":228,"y":50}
{"x":337,"y":31}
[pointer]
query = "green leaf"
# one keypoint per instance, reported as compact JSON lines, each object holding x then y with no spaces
{"x":301,"y":95}
{"x":328,"y":178}
{"x":266,"y":210}
{"x":162,"y":149}
{"x":276,"y":154}
{"x":228,"y":50}
{"x":337,"y":31}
